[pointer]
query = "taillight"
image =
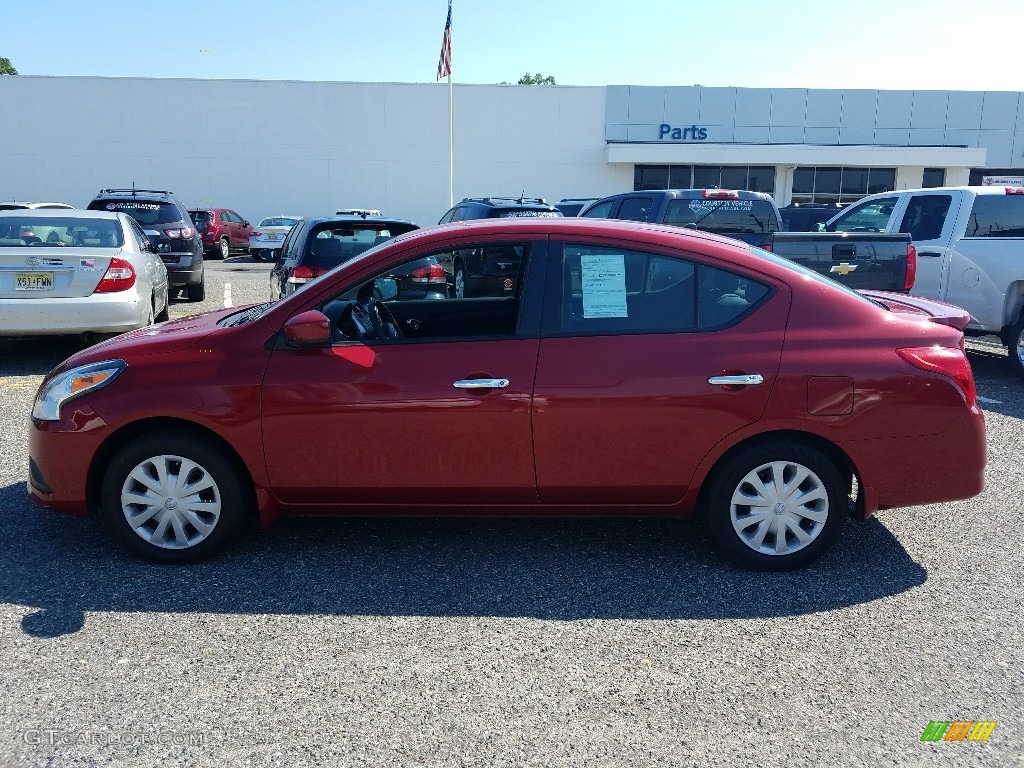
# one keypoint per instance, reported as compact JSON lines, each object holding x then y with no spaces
{"x":120,"y":276}
{"x":303,"y":274}
{"x":721,"y":194}
{"x":434,"y":273}
{"x":183,"y":233}
{"x":1015,"y":190}
{"x":948,"y":361}
{"x":766,"y":247}
{"x":256,"y":233}
{"x":911,"y":276}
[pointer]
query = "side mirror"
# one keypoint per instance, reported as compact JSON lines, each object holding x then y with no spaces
{"x":308,"y":330}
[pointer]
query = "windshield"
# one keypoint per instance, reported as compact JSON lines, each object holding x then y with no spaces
{"x":16,"y":231}
{"x":333,"y":244}
{"x":146,"y":212}
{"x":723,"y":216}
{"x":278,"y":222}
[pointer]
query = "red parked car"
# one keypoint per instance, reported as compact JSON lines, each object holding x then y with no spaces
{"x":632,"y":369}
{"x":223,"y":231}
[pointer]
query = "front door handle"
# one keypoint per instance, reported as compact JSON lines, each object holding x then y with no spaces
{"x":741,"y":380}
{"x":480,"y":383}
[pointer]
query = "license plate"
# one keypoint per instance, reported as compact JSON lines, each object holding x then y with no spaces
{"x":274,"y":236}
{"x":33,"y":281}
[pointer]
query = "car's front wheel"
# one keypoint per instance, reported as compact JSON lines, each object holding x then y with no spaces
{"x":776,"y":506}
{"x":173,"y":499}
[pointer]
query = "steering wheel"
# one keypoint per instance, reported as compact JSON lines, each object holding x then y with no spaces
{"x":384,"y":325}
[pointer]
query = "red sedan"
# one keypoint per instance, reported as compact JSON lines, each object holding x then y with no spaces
{"x":619,"y":369}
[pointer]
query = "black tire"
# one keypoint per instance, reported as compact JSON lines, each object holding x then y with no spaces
{"x":164,"y":314}
{"x":1015,"y":346}
{"x":228,"y":491}
{"x":195,"y":291}
{"x":788,"y":459}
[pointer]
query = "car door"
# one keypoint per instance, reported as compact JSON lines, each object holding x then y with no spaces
{"x":442,"y":416}
{"x":293,"y":243}
{"x":627,"y":403}
{"x":929,"y":218}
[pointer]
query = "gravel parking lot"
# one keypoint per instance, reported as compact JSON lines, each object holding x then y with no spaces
{"x":508,"y":642}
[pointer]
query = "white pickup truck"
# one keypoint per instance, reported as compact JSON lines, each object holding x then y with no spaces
{"x":970,"y":250}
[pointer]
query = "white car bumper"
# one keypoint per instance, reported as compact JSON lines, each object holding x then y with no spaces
{"x":99,"y":313}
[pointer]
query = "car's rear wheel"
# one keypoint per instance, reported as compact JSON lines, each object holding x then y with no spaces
{"x":195,"y":291}
{"x":223,"y":248}
{"x":1016,"y":346}
{"x":172,"y":498}
{"x":776,"y":506}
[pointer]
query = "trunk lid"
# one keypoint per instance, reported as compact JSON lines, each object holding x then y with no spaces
{"x":52,"y":273}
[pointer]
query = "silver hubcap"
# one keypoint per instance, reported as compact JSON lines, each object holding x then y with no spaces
{"x":224,"y":248}
{"x":1020,"y":347}
{"x":171,"y":502}
{"x":460,"y":284}
{"x":779,"y":508}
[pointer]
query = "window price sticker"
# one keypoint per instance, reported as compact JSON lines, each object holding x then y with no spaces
{"x":604,"y":286}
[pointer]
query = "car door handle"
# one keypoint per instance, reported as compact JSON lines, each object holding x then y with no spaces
{"x":933,"y":254}
{"x":481,"y":383}
{"x":742,"y":380}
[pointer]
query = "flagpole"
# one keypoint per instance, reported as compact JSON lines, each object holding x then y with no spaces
{"x":451,"y":146}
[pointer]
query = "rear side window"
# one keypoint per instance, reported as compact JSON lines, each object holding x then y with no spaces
{"x":146,"y":212}
{"x":723,"y":216}
{"x":997,"y":216}
{"x":925,"y":216}
{"x":607,"y":290}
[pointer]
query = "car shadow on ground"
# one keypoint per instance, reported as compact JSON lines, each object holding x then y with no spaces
{"x":36,"y":355}
{"x":541,"y":568}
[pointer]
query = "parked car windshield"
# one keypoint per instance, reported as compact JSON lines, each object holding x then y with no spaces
{"x":278,"y":222}
{"x":146,"y":212}
{"x":58,"y":231}
{"x":723,"y":216}
{"x":338,"y":243}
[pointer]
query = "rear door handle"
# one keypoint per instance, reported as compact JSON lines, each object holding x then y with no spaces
{"x":743,"y":380}
{"x":480,"y":383}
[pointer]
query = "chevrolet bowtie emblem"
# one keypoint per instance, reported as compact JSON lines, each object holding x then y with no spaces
{"x":843,"y":269}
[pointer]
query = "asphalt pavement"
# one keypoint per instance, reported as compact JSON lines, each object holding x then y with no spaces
{"x":509,"y":642}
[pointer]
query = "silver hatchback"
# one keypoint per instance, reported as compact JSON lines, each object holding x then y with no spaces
{"x":77,"y":272}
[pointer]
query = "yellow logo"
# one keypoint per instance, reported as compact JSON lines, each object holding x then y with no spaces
{"x":843,"y":269}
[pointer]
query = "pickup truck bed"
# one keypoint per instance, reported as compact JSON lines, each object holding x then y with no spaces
{"x":879,"y":261}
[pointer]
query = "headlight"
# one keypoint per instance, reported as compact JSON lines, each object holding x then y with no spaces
{"x":70,"y":384}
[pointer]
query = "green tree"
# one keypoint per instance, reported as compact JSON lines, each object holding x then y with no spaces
{"x":537,"y":79}
{"x":6,"y":68}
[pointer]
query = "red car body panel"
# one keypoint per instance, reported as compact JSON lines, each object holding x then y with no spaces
{"x":589,"y":424}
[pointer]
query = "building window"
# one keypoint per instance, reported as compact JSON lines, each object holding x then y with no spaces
{"x":840,"y":185}
{"x":753,"y":178}
{"x":934,"y":177}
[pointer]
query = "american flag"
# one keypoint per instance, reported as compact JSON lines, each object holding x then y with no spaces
{"x":444,"y":64}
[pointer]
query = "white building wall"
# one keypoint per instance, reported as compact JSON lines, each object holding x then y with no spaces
{"x":272,"y":147}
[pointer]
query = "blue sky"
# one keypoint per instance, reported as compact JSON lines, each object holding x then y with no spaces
{"x":899,"y":44}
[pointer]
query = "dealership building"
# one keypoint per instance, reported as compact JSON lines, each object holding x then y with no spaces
{"x":307,"y":148}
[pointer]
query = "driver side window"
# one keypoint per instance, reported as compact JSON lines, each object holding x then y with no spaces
{"x":872,"y":216}
{"x":467,"y":293}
